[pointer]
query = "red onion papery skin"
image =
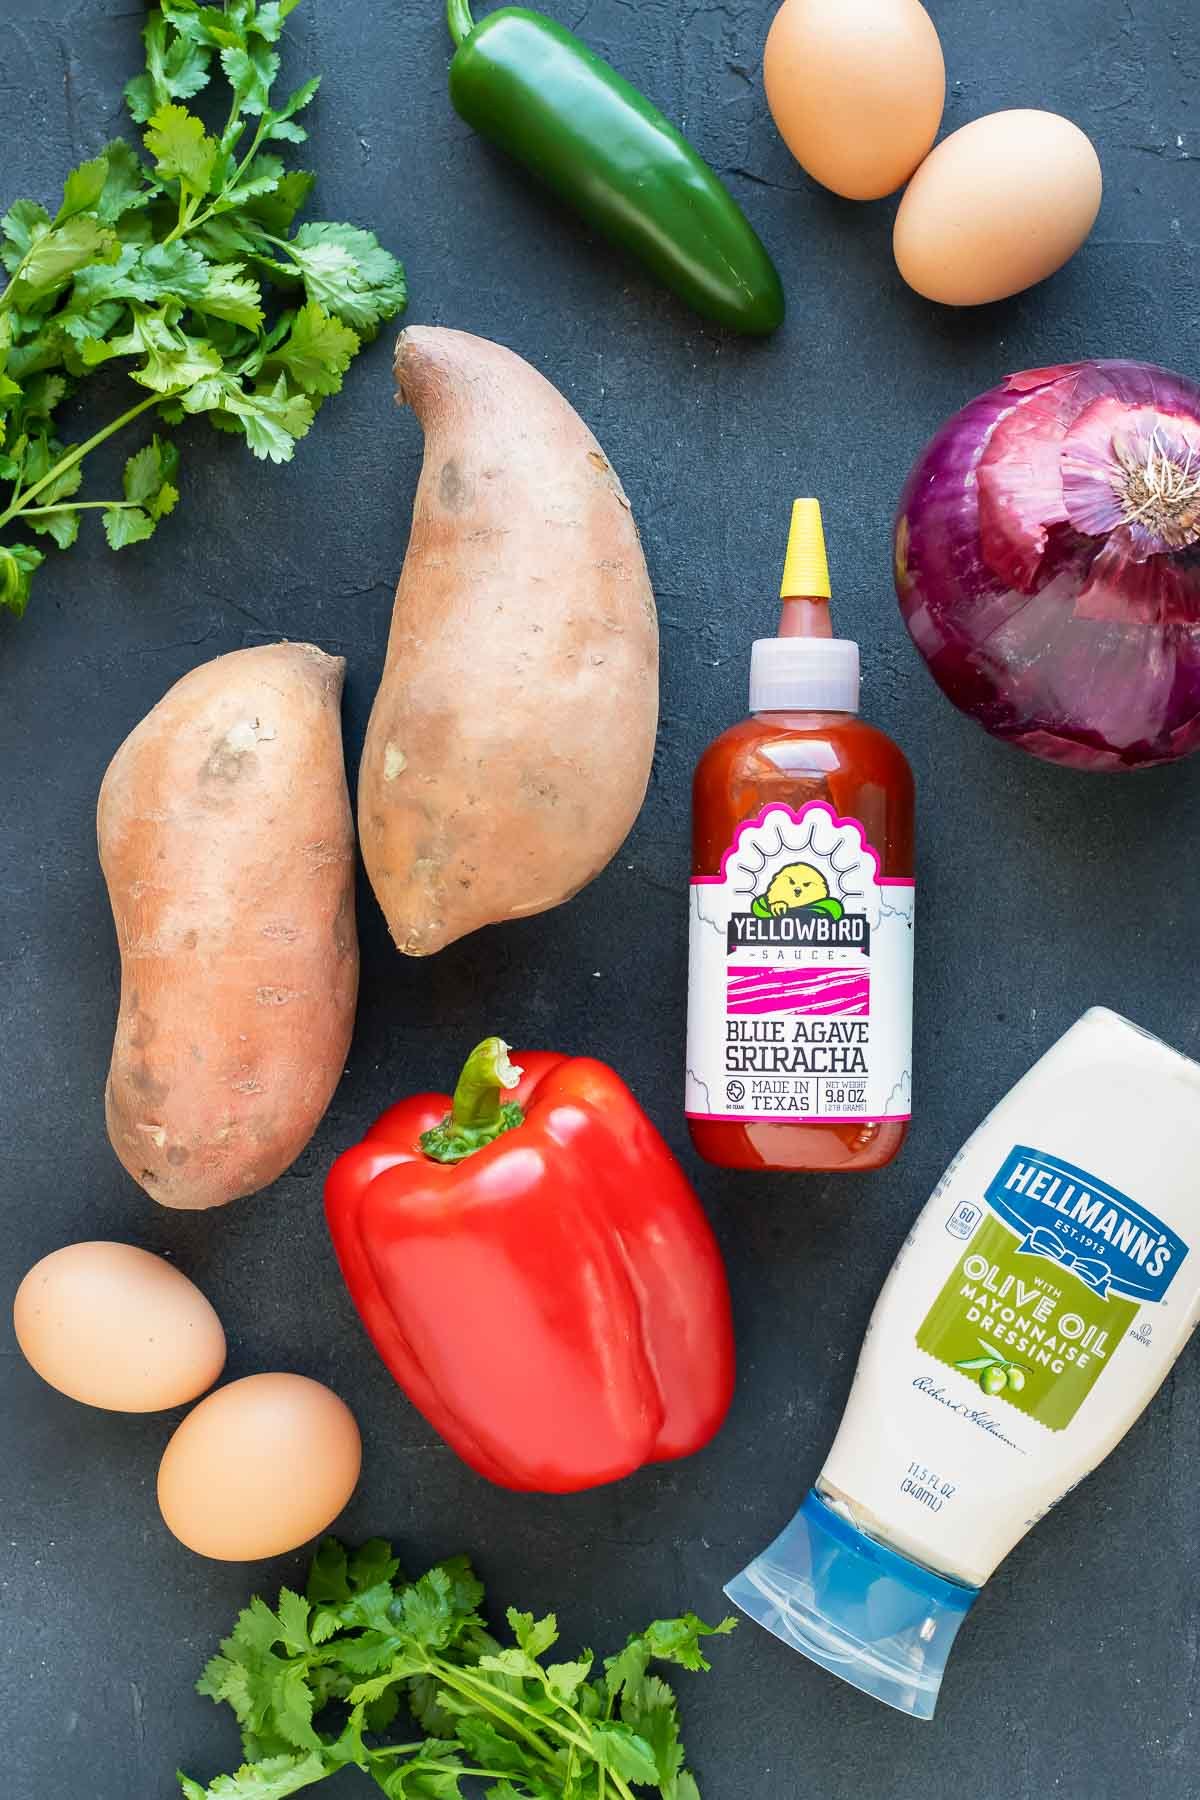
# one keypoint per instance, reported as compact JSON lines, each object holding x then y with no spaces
{"x":1042,"y":612}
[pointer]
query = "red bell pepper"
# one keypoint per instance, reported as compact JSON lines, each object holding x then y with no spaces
{"x":537,"y":1274}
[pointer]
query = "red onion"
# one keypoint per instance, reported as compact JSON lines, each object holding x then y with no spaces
{"x":1048,"y":563}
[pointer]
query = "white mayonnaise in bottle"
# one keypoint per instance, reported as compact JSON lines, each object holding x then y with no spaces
{"x":1038,"y":1304}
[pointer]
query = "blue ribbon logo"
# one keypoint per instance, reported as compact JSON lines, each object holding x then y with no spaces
{"x":1089,"y":1269}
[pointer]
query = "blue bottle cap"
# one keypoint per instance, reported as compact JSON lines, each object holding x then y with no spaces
{"x":866,"y":1613}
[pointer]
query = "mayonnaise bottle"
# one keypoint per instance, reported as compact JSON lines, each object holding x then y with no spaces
{"x":1039,"y":1303}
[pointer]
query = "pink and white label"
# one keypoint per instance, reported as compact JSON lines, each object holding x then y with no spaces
{"x":800,"y":976}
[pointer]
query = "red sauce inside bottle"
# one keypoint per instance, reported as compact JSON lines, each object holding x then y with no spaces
{"x":796,"y":757}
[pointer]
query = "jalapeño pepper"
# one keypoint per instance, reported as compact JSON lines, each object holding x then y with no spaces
{"x":538,"y":92}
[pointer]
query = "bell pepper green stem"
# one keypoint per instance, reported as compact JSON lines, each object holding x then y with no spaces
{"x":459,"y":19}
{"x":478,"y":1115}
{"x":486,"y":1073}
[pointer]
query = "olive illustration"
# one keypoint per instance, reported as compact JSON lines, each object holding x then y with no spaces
{"x":994,"y":1380}
{"x":1016,"y":1379}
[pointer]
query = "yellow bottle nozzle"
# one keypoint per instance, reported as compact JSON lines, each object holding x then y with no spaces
{"x":805,"y":569}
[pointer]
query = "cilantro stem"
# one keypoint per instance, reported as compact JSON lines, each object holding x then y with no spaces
{"x":44,"y":512}
{"x":461,"y":1769}
{"x":75,"y":456}
{"x":235,"y":113}
{"x":531,"y":1737}
{"x":387,"y":1751}
{"x":452,"y":1677}
{"x":195,"y":220}
{"x":602,"y":1778}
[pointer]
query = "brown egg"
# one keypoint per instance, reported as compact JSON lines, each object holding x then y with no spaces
{"x":856,"y":88}
{"x":118,"y":1328}
{"x":999,"y":205}
{"x":259,"y":1467}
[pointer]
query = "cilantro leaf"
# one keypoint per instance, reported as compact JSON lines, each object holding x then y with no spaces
{"x":678,"y":1640}
{"x":427,"y":1611}
{"x":230,"y":294}
{"x":40,"y":395}
{"x":280,"y":121}
{"x":125,"y":183}
{"x":425,"y":1705}
{"x":650,"y":1710}
{"x":626,"y":1670}
{"x":273,"y":1779}
{"x":513,"y":1661}
{"x":401,"y":1668}
{"x":173,"y":362}
{"x":171,"y":271}
{"x":317,"y":350}
{"x":285,"y":131}
{"x":273,"y":419}
{"x":261,"y":178}
{"x":83,"y":188}
{"x":176,"y":69}
{"x":466,"y":1589}
{"x":270,"y":18}
{"x":615,"y":1746}
{"x":63,"y":527}
{"x":372,"y":1565}
{"x":38,"y":463}
{"x":149,"y":481}
{"x":159,"y":273}
{"x":564,"y":1680}
{"x":487,"y":1746}
{"x":349,"y":273}
{"x":292,"y":1707}
{"x":378,"y":1714}
{"x":54,"y":256}
{"x":250,"y":70}
{"x":292,"y":1614}
{"x":21,"y":224}
{"x":181,"y":148}
{"x":18,"y":564}
{"x":276,"y":211}
{"x":224,"y":237}
{"x":329,"y":1575}
{"x":534,"y":1637}
{"x":420,"y":1781}
{"x":127,"y":525}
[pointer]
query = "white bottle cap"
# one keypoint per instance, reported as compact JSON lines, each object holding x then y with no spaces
{"x":804,"y":674}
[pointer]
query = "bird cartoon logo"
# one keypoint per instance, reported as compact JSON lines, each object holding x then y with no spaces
{"x":797,"y":888}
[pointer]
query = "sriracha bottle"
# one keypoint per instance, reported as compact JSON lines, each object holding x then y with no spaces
{"x":799,"y":1048}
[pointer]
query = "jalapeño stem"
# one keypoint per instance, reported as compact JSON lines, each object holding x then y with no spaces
{"x":458,"y":17}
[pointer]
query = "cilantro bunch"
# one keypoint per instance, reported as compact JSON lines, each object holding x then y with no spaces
{"x":317,"y":1684}
{"x":159,"y":266}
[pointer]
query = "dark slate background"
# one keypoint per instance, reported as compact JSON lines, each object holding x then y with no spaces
{"x":1079,"y":1672}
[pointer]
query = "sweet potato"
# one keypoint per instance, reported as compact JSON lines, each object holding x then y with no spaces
{"x":227,"y":843}
{"x":510,"y":743}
